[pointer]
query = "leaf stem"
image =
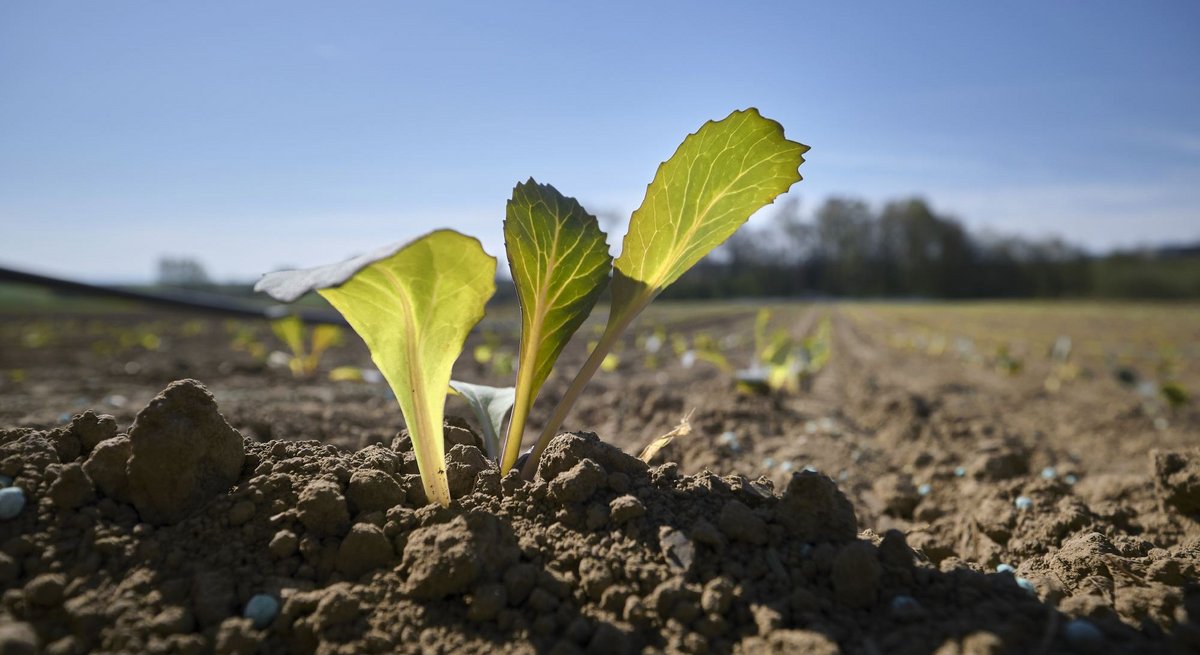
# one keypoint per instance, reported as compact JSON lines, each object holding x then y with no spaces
{"x":520,"y":413}
{"x":612,"y":332}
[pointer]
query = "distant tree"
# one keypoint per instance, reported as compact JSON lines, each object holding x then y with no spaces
{"x":182,"y":272}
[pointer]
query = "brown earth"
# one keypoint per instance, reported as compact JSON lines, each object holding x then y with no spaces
{"x":150,"y":531}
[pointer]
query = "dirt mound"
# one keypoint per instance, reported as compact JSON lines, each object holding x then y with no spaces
{"x":310,"y":548}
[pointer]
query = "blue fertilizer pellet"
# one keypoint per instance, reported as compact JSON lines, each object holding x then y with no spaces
{"x":12,"y":501}
{"x":1084,"y":637}
{"x":261,"y":609}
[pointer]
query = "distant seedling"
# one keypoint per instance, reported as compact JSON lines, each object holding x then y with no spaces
{"x":305,"y":360}
{"x":414,"y":304}
{"x":782,"y":365}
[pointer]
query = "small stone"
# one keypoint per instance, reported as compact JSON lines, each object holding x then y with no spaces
{"x":1027,"y":585}
{"x":46,"y":590}
{"x":1005,"y":568}
{"x":283,"y":544}
{"x":625,"y":508}
{"x":12,"y":501}
{"x":1023,"y":502}
{"x":261,"y":609}
{"x":1049,"y":473}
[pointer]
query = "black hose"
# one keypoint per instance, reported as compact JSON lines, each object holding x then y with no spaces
{"x":196,"y":301}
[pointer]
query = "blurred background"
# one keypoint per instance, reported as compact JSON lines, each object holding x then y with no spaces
{"x":998,"y":197}
{"x":978,"y":313}
{"x":1030,"y":148}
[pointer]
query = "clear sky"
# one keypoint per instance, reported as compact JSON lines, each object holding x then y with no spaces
{"x":256,"y":134}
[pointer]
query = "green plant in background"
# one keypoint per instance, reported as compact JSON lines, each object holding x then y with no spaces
{"x":707,"y":349}
{"x":484,"y":352}
{"x":414,"y":305}
{"x":246,"y":339}
{"x":1174,"y":394}
{"x":783,"y":365}
{"x":305,"y":361}
{"x":1006,"y":362}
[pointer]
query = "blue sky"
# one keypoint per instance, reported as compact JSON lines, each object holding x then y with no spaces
{"x":256,"y":134}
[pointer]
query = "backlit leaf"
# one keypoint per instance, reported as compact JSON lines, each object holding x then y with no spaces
{"x":413,"y":304}
{"x":560,"y":263}
{"x":714,"y":182}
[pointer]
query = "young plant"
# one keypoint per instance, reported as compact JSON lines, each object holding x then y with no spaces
{"x":715,"y":181}
{"x":413,"y":304}
{"x":304,"y":361}
{"x":560,"y":264}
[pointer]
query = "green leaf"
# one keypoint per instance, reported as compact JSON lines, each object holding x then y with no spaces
{"x":290,"y":330}
{"x":413,"y":304}
{"x":714,"y":182}
{"x":490,"y":404}
{"x":560,"y":263}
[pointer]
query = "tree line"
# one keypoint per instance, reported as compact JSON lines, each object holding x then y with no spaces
{"x":907,"y":250}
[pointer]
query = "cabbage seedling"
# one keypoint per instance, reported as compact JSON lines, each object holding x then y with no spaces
{"x":304,"y":361}
{"x":414,"y":305}
{"x":719,"y":176}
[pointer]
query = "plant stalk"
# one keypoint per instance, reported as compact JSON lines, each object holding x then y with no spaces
{"x":612,"y":333}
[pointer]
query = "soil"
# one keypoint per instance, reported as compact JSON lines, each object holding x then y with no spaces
{"x":902,"y":503}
